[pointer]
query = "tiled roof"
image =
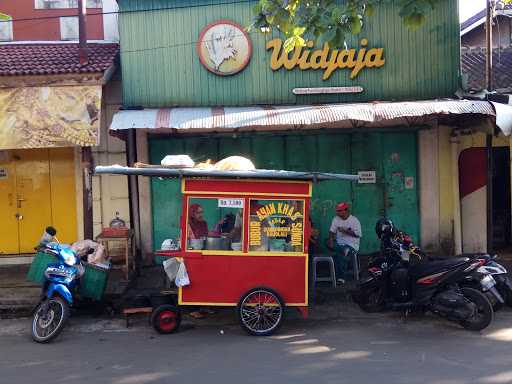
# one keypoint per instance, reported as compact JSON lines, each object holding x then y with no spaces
{"x":479,"y":16}
{"x":51,"y":59}
{"x":473,"y":65}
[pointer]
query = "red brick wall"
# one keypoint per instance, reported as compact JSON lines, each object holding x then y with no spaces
{"x":47,"y":29}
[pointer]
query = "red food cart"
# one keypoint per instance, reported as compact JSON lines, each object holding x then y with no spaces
{"x":244,"y":242}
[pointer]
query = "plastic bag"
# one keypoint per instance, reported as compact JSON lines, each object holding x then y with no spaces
{"x":182,"y":276}
{"x":171,"y":267}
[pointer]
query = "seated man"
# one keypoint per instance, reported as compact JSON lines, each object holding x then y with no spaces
{"x":346,"y":229}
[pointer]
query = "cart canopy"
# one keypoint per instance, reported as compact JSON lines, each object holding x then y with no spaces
{"x":196,"y":172}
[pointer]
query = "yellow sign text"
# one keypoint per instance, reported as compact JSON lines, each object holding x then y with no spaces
{"x":327,"y":59}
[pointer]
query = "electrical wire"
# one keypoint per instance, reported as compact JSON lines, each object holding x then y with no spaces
{"x":130,"y":11}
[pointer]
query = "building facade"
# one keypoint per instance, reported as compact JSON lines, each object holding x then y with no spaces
{"x":52,"y":108}
{"x":196,"y":82}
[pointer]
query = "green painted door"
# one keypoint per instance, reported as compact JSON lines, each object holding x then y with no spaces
{"x":400,"y":180}
{"x":391,"y":155}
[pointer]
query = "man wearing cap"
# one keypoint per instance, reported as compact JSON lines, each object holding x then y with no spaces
{"x":346,"y":230}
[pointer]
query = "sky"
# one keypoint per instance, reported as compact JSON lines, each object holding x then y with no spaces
{"x":468,"y":8}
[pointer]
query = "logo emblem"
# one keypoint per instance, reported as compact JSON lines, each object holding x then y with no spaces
{"x":224,"y":48}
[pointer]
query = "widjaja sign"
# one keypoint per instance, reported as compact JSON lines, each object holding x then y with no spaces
{"x":330,"y":60}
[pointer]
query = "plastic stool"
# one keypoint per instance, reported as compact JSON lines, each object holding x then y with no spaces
{"x":332,"y":276}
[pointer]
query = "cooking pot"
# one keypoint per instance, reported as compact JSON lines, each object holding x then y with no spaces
{"x":217,"y":243}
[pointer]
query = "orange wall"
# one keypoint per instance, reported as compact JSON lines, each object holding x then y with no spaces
{"x":47,"y":29}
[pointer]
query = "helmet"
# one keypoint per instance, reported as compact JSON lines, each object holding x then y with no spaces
{"x":384,"y":227}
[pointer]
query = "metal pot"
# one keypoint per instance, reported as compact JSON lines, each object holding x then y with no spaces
{"x":217,"y":243}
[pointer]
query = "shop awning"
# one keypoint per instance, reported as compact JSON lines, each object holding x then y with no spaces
{"x":268,"y":118}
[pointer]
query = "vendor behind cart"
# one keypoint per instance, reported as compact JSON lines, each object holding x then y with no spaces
{"x":344,"y":238}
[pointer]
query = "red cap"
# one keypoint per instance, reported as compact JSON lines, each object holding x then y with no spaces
{"x":342,"y":206}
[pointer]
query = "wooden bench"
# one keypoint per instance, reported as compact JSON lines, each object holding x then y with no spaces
{"x":132,"y":311}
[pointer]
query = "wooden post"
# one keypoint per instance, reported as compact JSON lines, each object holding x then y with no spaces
{"x":87,"y":167}
{"x":133,"y":192}
{"x":488,"y":142}
{"x":82,"y":33}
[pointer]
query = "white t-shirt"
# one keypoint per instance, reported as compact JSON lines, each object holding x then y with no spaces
{"x":342,"y":238}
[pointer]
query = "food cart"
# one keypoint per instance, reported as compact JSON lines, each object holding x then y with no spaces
{"x":244,"y":242}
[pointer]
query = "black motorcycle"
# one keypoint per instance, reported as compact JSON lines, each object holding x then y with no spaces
{"x":399,"y":282}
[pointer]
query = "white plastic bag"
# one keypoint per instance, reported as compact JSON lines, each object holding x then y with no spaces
{"x":171,"y":266}
{"x":182,"y":276}
{"x":177,"y":161}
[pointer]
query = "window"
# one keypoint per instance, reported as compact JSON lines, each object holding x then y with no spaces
{"x":69,"y":28}
{"x":5,"y":27}
{"x":60,"y":4}
{"x":276,"y":226}
{"x":215,"y":224}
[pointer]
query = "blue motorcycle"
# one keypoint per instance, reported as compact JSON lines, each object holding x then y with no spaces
{"x":61,"y":278}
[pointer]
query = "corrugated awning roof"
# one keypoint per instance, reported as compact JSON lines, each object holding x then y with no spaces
{"x":362,"y":115}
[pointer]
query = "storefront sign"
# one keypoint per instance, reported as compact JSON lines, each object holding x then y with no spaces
{"x":231,"y":203}
{"x":43,"y":117}
{"x":367,"y":177}
{"x":224,"y":48}
{"x":409,"y":182}
{"x":281,"y":220}
{"x":327,"y":59}
{"x":326,"y":90}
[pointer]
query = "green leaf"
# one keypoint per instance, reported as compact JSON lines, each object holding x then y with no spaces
{"x":356,"y":25}
{"x":293,"y":42}
{"x":369,"y":10}
{"x":298,"y":31}
{"x":4,"y":17}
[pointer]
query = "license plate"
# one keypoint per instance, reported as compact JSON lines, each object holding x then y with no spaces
{"x":487,"y":282}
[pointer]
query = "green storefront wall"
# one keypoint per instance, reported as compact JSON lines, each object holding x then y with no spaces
{"x":392,"y":155}
{"x":160,"y":66}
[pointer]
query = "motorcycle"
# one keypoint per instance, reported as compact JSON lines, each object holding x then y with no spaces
{"x":61,"y":278}
{"x":501,"y":291}
{"x":402,"y":278}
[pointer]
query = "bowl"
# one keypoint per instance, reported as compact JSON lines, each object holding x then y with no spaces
{"x":196,"y":244}
{"x":236,"y":246}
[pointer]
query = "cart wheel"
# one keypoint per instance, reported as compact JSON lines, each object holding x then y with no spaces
{"x":166,"y":319}
{"x":260,"y":311}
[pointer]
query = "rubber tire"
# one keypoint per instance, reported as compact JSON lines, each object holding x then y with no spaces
{"x":65,"y":315}
{"x":362,"y":298}
{"x":239,"y":315}
{"x":479,"y":299}
{"x":155,"y":320}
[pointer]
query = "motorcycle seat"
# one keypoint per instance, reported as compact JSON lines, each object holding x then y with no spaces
{"x":436,"y":266}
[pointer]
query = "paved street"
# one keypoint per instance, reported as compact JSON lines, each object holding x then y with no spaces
{"x":378,"y":348}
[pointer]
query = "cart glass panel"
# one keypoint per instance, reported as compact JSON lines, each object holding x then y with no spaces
{"x":276,"y":225}
{"x":215,"y":224}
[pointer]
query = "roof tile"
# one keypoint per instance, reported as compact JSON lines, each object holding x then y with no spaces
{"x":45,"y":59}
{"x":473,"y":65}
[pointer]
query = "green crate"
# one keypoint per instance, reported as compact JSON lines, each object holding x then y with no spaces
{"x":38,"y":266}
{"x":93,"y":282}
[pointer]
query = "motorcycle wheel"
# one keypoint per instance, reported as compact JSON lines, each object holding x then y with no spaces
{"x":371,"y":300}
{"x":484,"y":314}
{"x":49,"y":319}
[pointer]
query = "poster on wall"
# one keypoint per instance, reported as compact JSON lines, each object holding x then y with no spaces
{"x":44,"y":117}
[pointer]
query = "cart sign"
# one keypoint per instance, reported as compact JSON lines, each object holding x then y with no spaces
{"x":367,"y":177}
{"x":231,"y":203}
